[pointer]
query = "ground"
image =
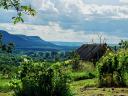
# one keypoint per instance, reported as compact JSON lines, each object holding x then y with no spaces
{"x":95,"y":92}
{"x":5,"y":94}
{"x":86,"y":88}
{"x":103,"y":92}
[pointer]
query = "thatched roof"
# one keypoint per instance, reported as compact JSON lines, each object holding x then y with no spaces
{"x":91,"y":52}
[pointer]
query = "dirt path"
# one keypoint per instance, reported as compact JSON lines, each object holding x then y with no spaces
{"x":103,"y":92}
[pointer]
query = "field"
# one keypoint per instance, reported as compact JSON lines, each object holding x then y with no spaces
{"x":83,"y":84}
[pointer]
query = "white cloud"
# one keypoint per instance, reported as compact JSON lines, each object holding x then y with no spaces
{"x":75,"y":10}
{"x":34,"y":3}
{"x":72,"y":20}
{"x":53,"y":32}
{"x":79,"y":7}
{"x":124,"y":1}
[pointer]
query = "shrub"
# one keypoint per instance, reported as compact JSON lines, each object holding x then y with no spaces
{"x":8,"y":65}
{"x":39,"y":79}
{"x":112,"y":69}
{"x":75,"y":61}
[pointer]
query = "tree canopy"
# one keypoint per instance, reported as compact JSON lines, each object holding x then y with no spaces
{"x":123,"y":44}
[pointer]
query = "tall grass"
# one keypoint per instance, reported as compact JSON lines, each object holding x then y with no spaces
{"x":4,"y":85}
{"x":76,"y":76}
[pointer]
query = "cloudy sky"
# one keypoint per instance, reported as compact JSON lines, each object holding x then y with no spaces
{"x":72,"y":20}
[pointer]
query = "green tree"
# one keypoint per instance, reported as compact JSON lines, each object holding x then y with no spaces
{"x":1,"y":40}
{"x":6,"y":47}
{"x":75,"y":61}
{"x":10,"y":47}
{"x":123,"y":44}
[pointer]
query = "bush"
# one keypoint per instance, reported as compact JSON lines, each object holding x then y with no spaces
{"x":8,"y":65}
{"x":112,"y":69}
{"x":39,"y":79}
{"x":75,"y":61}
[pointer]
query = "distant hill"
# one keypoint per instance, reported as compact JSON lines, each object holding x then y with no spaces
{"x":32,"y":42}
{"x":70,"y":44}
{"x":23,"y":41}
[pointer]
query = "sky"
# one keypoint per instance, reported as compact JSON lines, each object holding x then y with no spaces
{"x":72,"y":20}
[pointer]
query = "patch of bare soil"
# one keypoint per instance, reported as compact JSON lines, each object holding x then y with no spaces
{"x":92,"y":91}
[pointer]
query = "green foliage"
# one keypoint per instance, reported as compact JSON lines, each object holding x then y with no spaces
{"x":51,"y":56}
{"x":18,"y":18}
{"x":6,"y":48}
{"x":123,"y":44}
{"x":87,"y":70}
{"x":76,"y":76}
{"x":4,"y":85}
{"x":41,"y":78}
{"x":9,"y":64}
{"x":112,"y":69}
{"x":75,"y":58}
{"x":21,"y":10}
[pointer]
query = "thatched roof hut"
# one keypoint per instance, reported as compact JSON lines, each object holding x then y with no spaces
{"x":92,"y":52}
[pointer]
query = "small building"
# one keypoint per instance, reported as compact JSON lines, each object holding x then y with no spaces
{"x":92,"y":52}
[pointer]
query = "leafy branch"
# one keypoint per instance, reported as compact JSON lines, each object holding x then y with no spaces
{"x":21,"y":10}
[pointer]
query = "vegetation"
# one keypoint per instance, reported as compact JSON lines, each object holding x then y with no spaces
{"x":112,"y":69}
{"x":44,"y":55}
{"x":6,"y":47}
{"x":123,"y":44}
{"x":76,"y":76}
{"x":21,"y":9}
{"x":75,"y":58}
{"x":28,"y":77}
{"x":21,"y":75}
{"x":41,"y":78}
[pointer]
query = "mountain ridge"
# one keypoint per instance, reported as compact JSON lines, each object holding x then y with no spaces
{"x":23,"y":41}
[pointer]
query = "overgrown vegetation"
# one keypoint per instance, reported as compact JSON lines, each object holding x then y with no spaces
{"x":28,"y":77}
{"x":112,"y":69}
{"x":75,"y":61}
{"x":41,"y":78}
